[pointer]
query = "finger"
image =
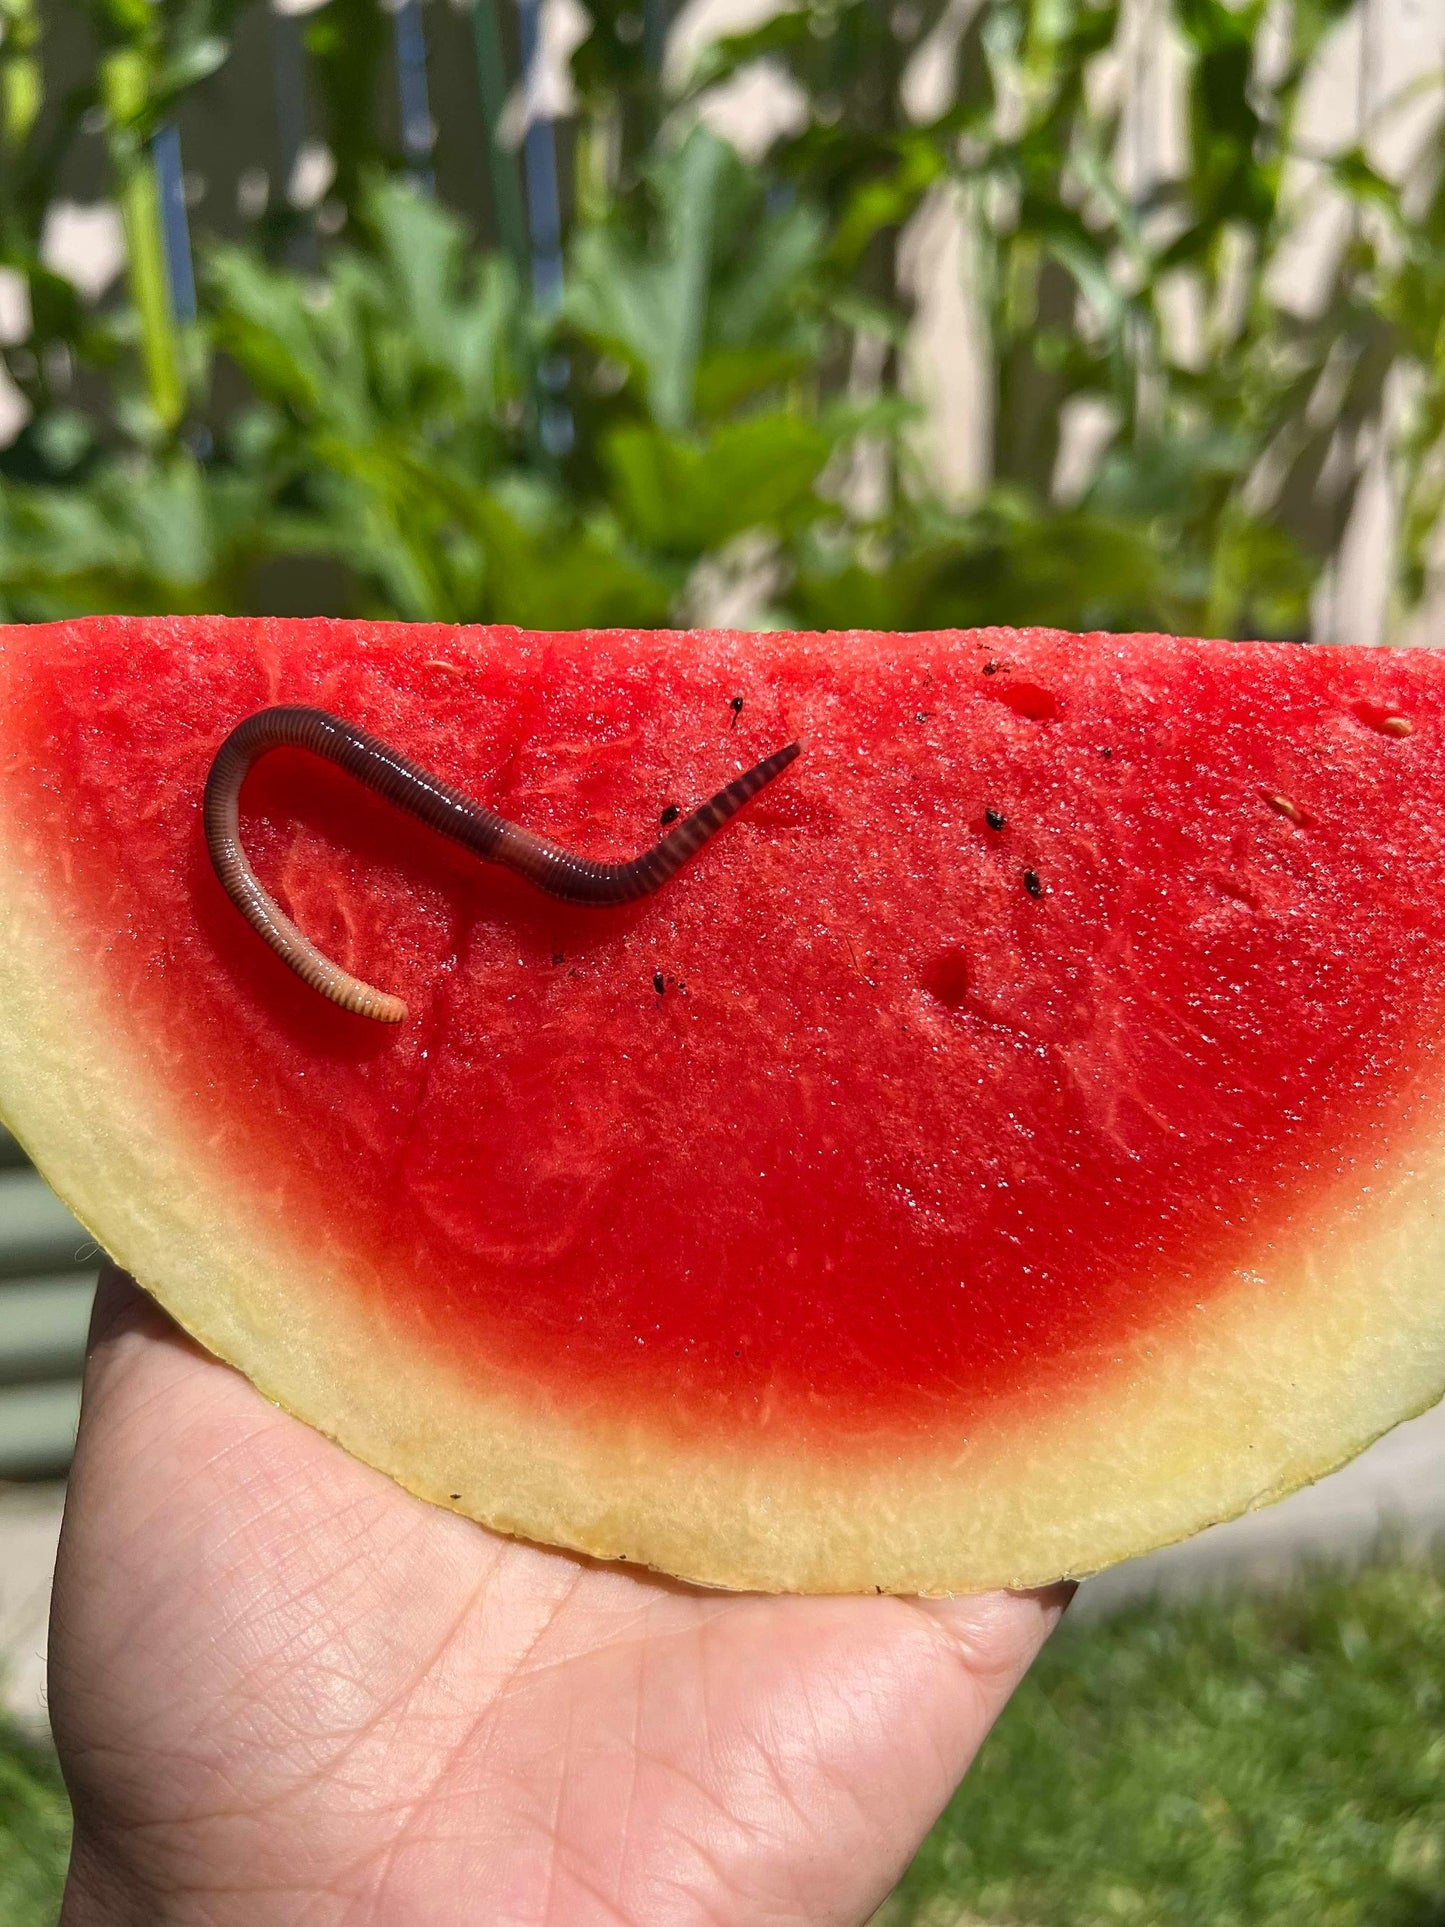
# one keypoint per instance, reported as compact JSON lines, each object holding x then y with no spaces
{"x":997,"y":1636}
{"x":134,"y":1353}
{"x":122,"y":1307}
{"x":994,"y":1638}
{"x":163,"y":1421}
{"x":956,"y":1669}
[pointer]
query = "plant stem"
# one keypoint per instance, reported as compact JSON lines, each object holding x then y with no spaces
{"x":21,"y":79}
{"x":596,"y":143}
{"x":124,"y":79}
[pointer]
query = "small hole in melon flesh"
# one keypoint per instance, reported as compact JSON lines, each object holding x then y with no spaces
{"x":946,"y":978}
{"x":1029,"y":700}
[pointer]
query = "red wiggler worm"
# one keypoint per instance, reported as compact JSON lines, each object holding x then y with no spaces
{"x":575,"y":879}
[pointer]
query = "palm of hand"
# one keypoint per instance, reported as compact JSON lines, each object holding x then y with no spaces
{"x":286,"y":1691}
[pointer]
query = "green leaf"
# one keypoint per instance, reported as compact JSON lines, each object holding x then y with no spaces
{"x":1006,"y":562}
{"x":685,"y":496}
{"x":650,"y":304}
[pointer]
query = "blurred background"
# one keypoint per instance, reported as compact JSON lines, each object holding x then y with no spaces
{"x":831,"y":313}
{"x":1097,"y":313}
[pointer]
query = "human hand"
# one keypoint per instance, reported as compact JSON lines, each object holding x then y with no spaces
{"x":285,"y":1691}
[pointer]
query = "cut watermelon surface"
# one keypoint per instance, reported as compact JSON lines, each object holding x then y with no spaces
{"x":1013,"y":1142}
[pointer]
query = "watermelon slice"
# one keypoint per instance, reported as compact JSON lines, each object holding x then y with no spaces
{"x":1012,"y":1142}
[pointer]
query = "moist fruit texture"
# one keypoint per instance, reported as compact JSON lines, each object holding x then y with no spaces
{"x":1015,"y":1141}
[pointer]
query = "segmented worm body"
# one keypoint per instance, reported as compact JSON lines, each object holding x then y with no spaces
{"x":561,"y":873}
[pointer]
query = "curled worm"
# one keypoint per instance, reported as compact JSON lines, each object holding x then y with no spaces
{"x":575,"y":879}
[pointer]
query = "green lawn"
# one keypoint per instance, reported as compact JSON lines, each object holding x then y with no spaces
{"x":34,"y":1833}
{"x":1277,"y":1759}
{"x":1273,"y":1759}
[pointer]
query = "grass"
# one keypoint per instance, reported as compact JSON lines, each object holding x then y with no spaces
{"x":34,"y":1832}
{"x":1273,"y":1758}
{"x":1276,"y":1758}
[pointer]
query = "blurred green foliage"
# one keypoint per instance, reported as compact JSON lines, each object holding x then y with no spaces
{"x":1233,"y":1760}
{"x":717,"y":413}
{"x":34,"y":1830}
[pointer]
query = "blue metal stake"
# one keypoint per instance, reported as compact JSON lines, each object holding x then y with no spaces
{"x":418,"y":136}
{"x":654,"y":34}
{"x":544,"y":210}
{"x":555,"y":425}
{"x":175,"y":227}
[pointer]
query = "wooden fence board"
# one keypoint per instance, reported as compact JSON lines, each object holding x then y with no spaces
{"x":47,"y":1281}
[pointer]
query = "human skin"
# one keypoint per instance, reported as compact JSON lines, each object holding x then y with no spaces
{"x":285,"y":1691}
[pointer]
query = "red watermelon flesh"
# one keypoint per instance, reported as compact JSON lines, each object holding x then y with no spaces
{"x":1010,"y":1143}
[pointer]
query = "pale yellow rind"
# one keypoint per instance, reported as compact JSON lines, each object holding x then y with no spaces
{"x":1277,"y":1377}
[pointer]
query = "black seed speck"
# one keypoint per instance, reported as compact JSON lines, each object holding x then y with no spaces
{"x":557,"y":957}
{"x":671,"y":814}
{"x":659,"y":982}
{"x":990,"y":669}
{"x":995,"y":819}
{"x":1106,"y":752}
{"x":1032,"y":884}
{"x":736,"y":706}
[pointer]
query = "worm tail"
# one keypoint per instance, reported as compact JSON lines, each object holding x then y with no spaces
{"x":576,"y":879}
{"x":352,"y":750}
